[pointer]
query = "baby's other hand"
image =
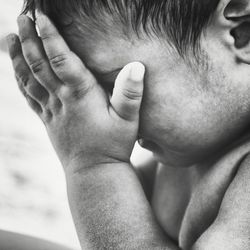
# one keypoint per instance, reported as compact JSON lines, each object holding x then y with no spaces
{"x":83,"y":123}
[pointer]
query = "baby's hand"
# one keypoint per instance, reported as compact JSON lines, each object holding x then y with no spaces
{"x":82,"y":122}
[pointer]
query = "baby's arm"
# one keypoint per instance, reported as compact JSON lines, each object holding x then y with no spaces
{"x":111,"y":211}
{"x":93,"y":137}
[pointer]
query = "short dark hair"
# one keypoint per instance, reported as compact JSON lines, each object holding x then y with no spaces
{"x":182,"y":21}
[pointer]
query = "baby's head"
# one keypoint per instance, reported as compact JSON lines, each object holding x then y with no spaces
{"x":196,"y":52}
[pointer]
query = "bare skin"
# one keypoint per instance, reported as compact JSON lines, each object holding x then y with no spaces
{"x":195,"y":200}
{"x":104,"y":191}
{"x":78,"y":116}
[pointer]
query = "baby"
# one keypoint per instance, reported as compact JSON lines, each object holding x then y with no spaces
{"x":173,"y":75}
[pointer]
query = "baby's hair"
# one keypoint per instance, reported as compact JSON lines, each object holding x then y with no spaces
{"x":180,"y":21}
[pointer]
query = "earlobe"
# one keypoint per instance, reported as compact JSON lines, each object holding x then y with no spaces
{"x":238,"y":13}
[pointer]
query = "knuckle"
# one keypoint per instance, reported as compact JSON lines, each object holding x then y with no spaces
{"x":57,"y":105}
{"x":14,"y":55}
{"x":14,"y":46}
{"x":47,"y":115}
{"x":19,"y":64}
{"x":37,"y":66}
{"x":46,"y":35}
{"x":24,"y":38}
{"x":75,"y":93}
{"x":22,"y":79}
{"x":78,"y":94}
{"x":132,"y":95}
{"x":34,"y":105}
{"x":59,"y":61}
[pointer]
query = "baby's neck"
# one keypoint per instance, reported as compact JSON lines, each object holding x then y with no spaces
{"x":204,"y":166}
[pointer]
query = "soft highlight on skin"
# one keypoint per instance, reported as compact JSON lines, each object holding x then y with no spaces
{"x":181,"y":22}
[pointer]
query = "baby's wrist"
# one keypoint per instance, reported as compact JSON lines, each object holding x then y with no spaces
{"x":83,"y":162}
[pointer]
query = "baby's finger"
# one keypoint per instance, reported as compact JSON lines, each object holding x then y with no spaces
{"x":34,"y":54}
{"x":67,"y":66}
{"x":25,"y":79}
{"x":128,"y":91}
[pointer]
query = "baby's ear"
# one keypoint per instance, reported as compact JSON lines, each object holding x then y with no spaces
{"x":237,"y":12}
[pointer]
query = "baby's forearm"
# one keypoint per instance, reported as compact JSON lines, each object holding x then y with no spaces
{"x":107,"y":201}
{"x":111,"y":211}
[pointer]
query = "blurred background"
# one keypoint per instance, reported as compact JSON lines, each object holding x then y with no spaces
{"x":33,"y":197}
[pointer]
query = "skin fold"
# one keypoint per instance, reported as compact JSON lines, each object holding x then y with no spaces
{"x":192,"y":114}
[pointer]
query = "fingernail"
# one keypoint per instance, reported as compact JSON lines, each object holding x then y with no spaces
{"x":37,"y":13}
{"x":21,"y":20}
{"x":11,"y":41}
{"x":39,"y":18}
{"x":137,"y":71}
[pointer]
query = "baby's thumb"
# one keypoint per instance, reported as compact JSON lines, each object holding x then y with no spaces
{"x":128,"y":91}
